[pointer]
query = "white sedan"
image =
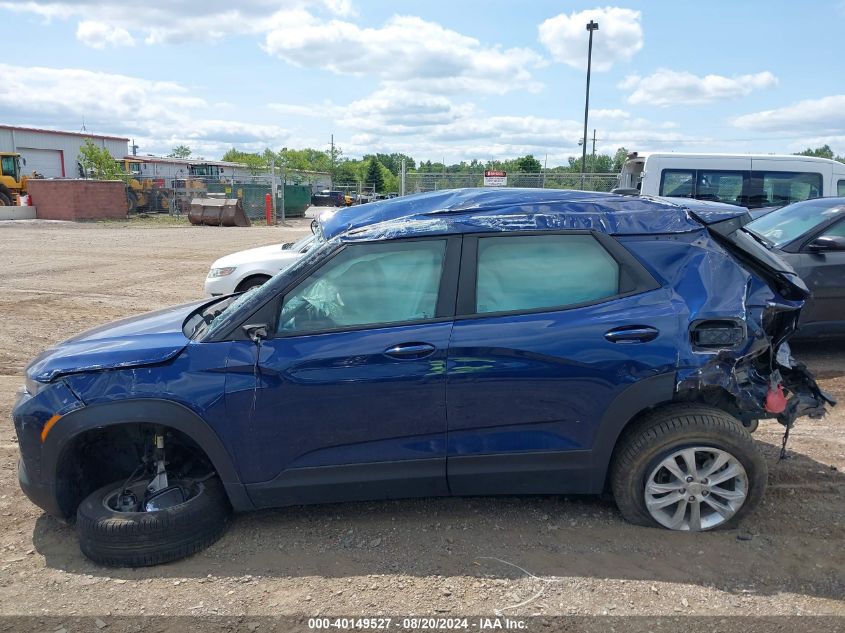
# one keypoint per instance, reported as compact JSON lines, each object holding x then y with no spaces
{"x":243,"y":270}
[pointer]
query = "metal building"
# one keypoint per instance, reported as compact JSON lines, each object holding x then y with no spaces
{"x":52,"y":153}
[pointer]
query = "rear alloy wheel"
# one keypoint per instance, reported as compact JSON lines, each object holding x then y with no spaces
{"x":687,"y":467}
{"x":696,"y":488}
{"x":110,"y":533}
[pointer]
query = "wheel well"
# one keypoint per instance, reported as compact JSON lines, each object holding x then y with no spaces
{"x":246,"y":280}
{"x":103,"y":455}
{"x":715,"y":397}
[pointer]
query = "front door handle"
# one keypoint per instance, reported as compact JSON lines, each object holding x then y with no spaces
{"x":632,"y":334}
{"x":410,"y":351}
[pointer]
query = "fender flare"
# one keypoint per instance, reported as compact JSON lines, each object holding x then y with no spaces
{"x":149,"y":410}
{"x":643,"y":394}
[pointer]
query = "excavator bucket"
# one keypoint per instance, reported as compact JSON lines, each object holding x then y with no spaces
{"x":217,"y":212}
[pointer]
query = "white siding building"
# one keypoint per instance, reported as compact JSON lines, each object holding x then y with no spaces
{"x":52,"y":153}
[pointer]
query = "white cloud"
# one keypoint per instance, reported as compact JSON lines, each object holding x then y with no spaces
{"x":396,"y":119}
{"x":420,"y":54}
{"x":813,"y":115}
{"x":166,"y":21}
{"x":670,"y":88}
{"x":619,"y":38}
{"x":605,"y":114}
{"x":98,"y":34}
{"x":162,"y":113}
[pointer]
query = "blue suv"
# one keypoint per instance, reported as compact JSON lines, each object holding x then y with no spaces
{"x":466,"y":342}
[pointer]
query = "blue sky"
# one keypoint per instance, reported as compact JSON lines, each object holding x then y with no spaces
{"x":459,"y":80}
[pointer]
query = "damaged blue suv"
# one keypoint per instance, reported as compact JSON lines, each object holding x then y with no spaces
{"x":466,"y":342}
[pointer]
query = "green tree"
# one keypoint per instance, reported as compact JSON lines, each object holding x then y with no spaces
{"x":99,"y":164}
{"x":393,"y":162}
{"x":374,"y":177}
{"x":528,"y":164}
{"x":619,"y":158}
{"x":180,"y":151}
{"x":256,"y":163}
{"x":820,"y":152}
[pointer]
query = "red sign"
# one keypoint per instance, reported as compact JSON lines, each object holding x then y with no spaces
{"x":495,"y":173}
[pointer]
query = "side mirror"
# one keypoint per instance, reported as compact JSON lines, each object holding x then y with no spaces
{"x":827,"y":243}
{"x":256,"y":332}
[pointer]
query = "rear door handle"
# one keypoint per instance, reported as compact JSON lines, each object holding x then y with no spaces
{"x":632,"y":334}
{"x":410,"y":351}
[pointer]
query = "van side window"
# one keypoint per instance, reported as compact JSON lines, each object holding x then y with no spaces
{"x":840,"y":188}
{"x":677,"y":182}
{"x":720,"y":186}
{"x":784,"y":187}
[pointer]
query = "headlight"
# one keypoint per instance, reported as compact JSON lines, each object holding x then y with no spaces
{"x":33,"y":386}
{"x":221,"y":272}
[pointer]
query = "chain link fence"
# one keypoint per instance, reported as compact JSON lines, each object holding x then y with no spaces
{"x":173,"y":194}
{"x":419,"y":182}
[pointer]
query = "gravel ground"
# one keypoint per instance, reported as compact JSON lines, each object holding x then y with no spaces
{"x":511,"y":556}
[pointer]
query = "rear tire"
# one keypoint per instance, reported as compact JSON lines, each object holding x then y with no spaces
{"x":642,"y":452}
{"x":5,"y":201}
{"x":139,"y":539}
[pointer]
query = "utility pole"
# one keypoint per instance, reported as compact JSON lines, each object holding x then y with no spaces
{"x":591,"y":26}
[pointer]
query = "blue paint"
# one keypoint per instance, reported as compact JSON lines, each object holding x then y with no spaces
{"x":546,"y":382}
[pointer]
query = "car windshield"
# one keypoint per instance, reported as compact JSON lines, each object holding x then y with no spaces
{"x":203,"y":321}
{"x":788,"y":223}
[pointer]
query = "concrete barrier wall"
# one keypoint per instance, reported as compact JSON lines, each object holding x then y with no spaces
{"x":78,"y":199}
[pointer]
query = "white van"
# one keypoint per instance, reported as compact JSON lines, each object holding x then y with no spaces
{"x":749,"y":180}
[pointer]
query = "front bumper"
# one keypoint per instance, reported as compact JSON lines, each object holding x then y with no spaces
{"x":215,"y":286}
{"x":42,"y":495}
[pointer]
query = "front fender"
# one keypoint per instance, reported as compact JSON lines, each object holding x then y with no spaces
{"x":147,"y":410}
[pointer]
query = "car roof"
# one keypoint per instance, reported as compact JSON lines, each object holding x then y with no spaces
{"x":501,"y":209}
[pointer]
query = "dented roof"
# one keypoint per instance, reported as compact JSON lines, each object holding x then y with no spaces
{"x":475,"y":209}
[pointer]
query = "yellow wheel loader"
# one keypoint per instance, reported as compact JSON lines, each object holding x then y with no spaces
{"x":12,"y":182}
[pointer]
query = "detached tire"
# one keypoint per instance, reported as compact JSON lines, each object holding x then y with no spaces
{"x":139,"y":539}
{"x":685,"y":456}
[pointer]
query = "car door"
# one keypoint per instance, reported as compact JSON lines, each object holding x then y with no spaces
{"x":824,"y":273}
{"x":552,"y":329}
{"x":346,"y":397}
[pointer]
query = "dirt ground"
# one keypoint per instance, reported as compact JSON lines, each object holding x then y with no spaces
{"x":511,"y":556}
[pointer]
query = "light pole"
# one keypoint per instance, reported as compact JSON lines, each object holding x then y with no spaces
{"x":591,"y":26}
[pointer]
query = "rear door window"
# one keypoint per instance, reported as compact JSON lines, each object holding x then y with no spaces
{"x":530,"y":272}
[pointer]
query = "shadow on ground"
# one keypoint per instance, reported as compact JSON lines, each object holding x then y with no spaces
{"x":802,"y":519}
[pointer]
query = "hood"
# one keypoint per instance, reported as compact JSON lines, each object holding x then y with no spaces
{"x":142,"y":340}
{"x":272,"y":253}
